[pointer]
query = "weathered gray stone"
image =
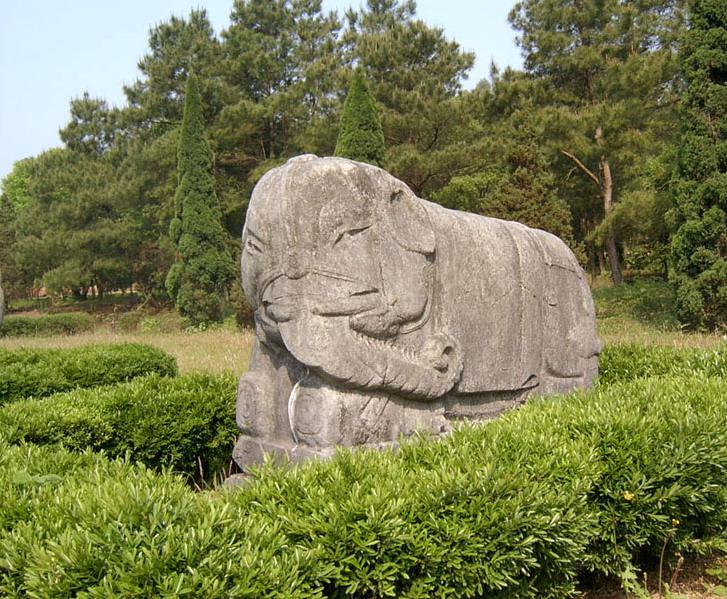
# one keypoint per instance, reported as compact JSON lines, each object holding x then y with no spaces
{"x":378,"y":313}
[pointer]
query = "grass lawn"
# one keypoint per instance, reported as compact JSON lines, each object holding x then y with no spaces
{"x":214,"y":350}
{"x":642,"y":312}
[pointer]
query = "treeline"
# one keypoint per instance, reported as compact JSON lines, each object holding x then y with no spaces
{"x":584,"y":142}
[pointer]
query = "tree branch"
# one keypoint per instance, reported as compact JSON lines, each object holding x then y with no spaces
{"x":582,"y":166}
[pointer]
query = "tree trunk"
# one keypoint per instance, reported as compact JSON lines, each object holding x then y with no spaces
{"x":607,"y":195}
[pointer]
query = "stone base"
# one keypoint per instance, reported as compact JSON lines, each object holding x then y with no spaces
{"x":395,"y":419}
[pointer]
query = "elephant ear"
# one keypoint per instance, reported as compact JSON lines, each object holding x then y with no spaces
{"x":409,"y":222}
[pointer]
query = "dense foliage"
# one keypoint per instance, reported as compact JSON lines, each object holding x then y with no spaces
{"x":514,"y":508}
{"x":39,"y":372}
{"x":632,"y":361}
{"x":198,"y":280}
{"x":605,"y":67}
{"x":65,"y":323}
{"x":581,"y":142}
{"x":360,"y":136}
{"x":185,"y":423}
{"x":699,"y":247}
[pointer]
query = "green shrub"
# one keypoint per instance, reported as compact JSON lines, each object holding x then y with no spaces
{"x":68,"y":323}
{"x":39,"y":372}
{"x":514,"y":508}
{"x":76,"y":525}
{"x":184,"y":423}
{"x":631,"y":361}
{"x":661,"y":446}
{"x":127,"y":321}
{"x":167,"y":323}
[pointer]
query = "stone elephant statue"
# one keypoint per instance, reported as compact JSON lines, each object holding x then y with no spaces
{"x":378,"y":313}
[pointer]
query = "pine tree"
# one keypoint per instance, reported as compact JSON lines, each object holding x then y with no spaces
{"x":607,"y":65}
{"x":416,"y":76}
{"x":204,"y":267}
{"x":699,"y":246}
{"x":360,"y":136}
{"x":520,"y":186}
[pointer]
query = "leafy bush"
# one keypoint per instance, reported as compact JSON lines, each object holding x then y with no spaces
{"x":80,"y":524}
{"x":127,"y":321}
{"x":39,"y":372}
{"x":167,"y":323}
{"x":183,"y":423}
{"x":631,"y":361}
{"x":67,"y":323}
{"x":513,"y":508}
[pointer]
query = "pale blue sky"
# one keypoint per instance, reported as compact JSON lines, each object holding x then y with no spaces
{"x":53,"y":51}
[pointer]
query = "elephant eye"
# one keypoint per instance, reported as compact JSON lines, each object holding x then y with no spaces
{"x":252,"y":246}
{"x":350,"y":233}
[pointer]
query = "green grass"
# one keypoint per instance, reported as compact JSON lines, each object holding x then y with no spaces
{"x":642,"y":311}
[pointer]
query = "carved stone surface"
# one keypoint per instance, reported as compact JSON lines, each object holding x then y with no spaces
{"x":378,"y":313}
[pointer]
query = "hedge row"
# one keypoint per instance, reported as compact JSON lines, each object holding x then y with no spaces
{"x":626,"y":362}
{"x":40,"y":372}
{"x":514,"y":508}
{"x":184,"y":423}
{"x":67,"y":323}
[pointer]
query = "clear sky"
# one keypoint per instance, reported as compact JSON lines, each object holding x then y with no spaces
{"x":51,"y":52}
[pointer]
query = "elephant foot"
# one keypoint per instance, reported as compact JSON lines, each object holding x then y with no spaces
{"x":485,"y":406}
{"x":254,"y":416}
{"x":249,"y":451}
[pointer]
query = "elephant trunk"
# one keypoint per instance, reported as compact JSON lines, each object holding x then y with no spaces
{"x":328,"y":346}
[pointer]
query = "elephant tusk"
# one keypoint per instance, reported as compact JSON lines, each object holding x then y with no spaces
{"x":292,"y":398}
{"x":356,"y":303}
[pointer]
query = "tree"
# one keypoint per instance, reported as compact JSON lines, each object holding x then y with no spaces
{"x":15,"y":184}
{"x":2,"y":300}
{"x":609,"y":65}
{"x":282,"y":59}
{"x":699,"y":245}
{"x":92,"y":128}
{"x":13,"y":200}
{"x":144,"y":188}
{"x":176,"y":48}
{"x":71,"y":235}
{"x":518,"y":186}
{"x":416,"y":75}
{"x":8,"y":267}
{"x":199,"y":278}
{"x":360,"y":136}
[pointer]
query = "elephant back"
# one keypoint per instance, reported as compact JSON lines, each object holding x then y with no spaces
{"x":508,"y":293}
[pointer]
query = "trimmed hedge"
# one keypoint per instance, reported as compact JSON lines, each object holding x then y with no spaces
{"x":626,"y":362}
{"x":39,"y":372}
{"x":514,"y":508}
{"x":181,"y":423}
{"x":91,"y":527}
{"x":66,"y":323}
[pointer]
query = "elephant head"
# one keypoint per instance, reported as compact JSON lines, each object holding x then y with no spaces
{"x":338,"y":264}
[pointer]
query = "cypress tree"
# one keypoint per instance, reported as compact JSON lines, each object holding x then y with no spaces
{"x":360,"y":136}
{"x":699,"y":246}
{"x":204,"y":268}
